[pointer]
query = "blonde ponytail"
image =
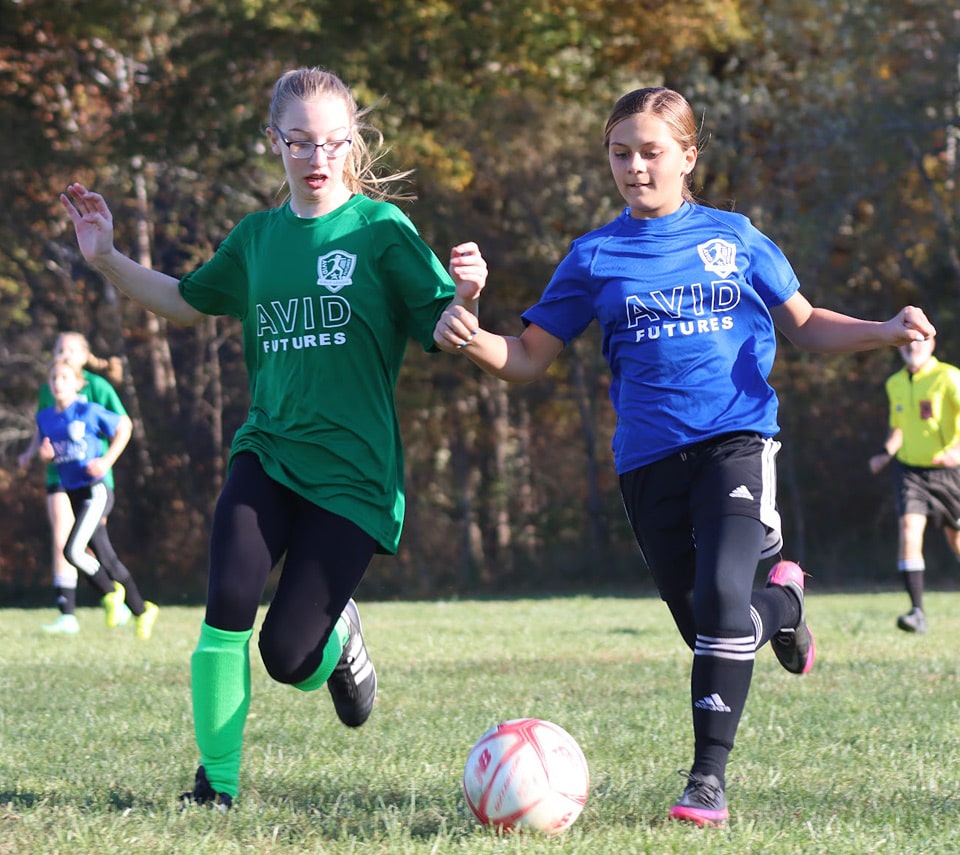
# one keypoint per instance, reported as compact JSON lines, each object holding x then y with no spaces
{"x":111,"y":368}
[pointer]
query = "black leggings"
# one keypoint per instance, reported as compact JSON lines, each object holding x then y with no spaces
{"x":257,"y":523}
{"x":91,"y":507}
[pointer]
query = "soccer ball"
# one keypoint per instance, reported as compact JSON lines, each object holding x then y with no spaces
{"x":526,"y":773}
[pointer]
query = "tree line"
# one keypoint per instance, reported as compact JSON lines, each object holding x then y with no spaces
{"x":833,"y":124}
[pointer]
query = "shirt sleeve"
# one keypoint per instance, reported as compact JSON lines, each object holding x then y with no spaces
{"x":101,"y":392}
{"x":566,"y":307}
{"x":891,"y":388}
{"x":219,"y":286}
{"x":954,"y":396}
{"x":416,"y":276}
{"x":771,"y":274}
{"x":44,"y":397}
{"x":106,"y":421}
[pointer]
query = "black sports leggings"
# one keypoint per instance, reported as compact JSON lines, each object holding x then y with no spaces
{"x":257,"y":523}
{"x":91,"y":507}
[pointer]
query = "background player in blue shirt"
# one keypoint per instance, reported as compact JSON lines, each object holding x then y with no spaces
{"x":689,"y":299}
{"x":72,"y":346}
{"x":70,"y":434}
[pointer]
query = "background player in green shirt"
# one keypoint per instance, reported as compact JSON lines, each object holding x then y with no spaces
{"x":924,"y":442}
{"x":329,"y":287}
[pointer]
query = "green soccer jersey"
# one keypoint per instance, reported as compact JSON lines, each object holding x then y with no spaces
{"x":925,"y":406}
{"x":99,"y":391}
{"x":327,"y":306}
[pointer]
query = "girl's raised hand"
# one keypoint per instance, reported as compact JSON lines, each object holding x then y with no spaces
{"x":91,"y":219}
{"x":469,"y":270}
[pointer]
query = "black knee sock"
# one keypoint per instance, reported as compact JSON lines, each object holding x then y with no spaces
{"x":67,"y":600}
{"x":913,"y":582}
{"x":101,"y":581}
{"x":132,"y":596}
{"x":777,"y":608}
{"x":719,"y":689}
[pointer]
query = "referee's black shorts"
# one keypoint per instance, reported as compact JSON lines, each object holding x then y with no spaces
{"x":933,"y":493}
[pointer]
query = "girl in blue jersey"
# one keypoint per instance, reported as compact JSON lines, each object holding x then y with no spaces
{"x":74,"y":347}
{"x":688,"y":299}
{"x":71,"y":434}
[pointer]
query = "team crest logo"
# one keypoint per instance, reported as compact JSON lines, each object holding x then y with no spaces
{"x":76,"y":431}
{"x":335,"y":269}
{"x":719,"y":256}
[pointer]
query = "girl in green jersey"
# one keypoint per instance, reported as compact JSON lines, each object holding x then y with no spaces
{"x":329,"y":287}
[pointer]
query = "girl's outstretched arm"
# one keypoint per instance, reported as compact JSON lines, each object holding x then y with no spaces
{"x":813,"y":328}
{"x":517,"y":359}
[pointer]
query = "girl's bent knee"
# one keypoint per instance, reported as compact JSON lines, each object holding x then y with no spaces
{"x":284,"y":662}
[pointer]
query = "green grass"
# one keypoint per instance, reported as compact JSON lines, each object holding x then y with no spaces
{"x":861,"y":756}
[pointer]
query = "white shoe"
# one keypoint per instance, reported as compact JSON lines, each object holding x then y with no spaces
{"x":64,"y":625}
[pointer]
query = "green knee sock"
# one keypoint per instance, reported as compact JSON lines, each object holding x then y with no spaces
{"x":220,"y":685}
{"x":331,"y":656}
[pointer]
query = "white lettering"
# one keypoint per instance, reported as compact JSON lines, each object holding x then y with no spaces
{"x":670,"y":306}
{"x":265,"y":324}
{"x":726,"y":295}
{"x":334,"y":311}
{"x":701,"y":326}
{"x":303,"y":342}
{"x":288,"y":316}
{"x":637,"y":311}
{"x":298,"y":315}
{"x":696,"y":294}
{"x":648,"y":320}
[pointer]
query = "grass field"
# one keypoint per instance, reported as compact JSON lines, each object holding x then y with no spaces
{"x":861,"y":756}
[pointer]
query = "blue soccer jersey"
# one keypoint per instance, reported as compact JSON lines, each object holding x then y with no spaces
{"x":683,"y":303}
{"x":76,"y":435}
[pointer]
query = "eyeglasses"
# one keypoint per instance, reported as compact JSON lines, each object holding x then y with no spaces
{"x":304,"y":149}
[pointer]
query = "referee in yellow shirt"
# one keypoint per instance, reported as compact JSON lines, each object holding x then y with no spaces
{"x":924,"y":442}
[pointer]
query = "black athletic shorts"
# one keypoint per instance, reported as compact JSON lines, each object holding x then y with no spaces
{"x":933,"y":493}
{"x":729,"y":474}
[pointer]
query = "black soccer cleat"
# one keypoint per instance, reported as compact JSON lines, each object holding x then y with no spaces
{"x":353,"y":683}
{"x":793,"y":646}
{"x":703,"y":801}
{"x":913,"y":621}
{"x":205,"y":795}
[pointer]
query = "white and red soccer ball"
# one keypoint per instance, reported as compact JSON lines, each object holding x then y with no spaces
{"x":526,"y":774}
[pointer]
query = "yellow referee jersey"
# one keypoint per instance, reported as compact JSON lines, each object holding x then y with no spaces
{"x":925,"y":406}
